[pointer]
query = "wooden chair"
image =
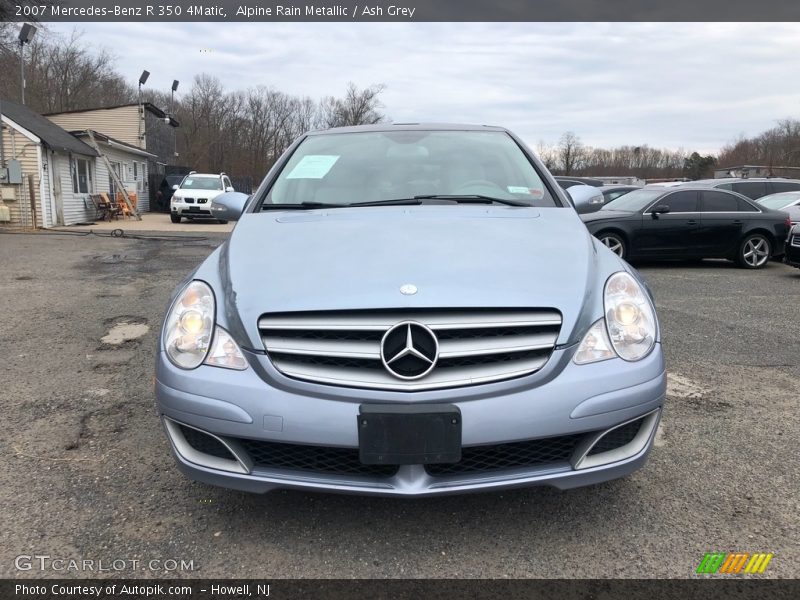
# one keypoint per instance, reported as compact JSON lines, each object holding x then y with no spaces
{"x":105,"y":209}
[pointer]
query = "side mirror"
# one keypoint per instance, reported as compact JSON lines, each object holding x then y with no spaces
{"x":229,"y":206}
{"x":176,"y":187}
{"x":229,"y":189}
{"x":661,"y":209}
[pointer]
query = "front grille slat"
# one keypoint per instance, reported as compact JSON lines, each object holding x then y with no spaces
{"x":313,"y":459}
{"x":527,"y":454}
{"x":343,"y":348}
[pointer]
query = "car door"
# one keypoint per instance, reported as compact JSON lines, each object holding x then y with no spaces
{"x":722,"y":217}
{"x":672,"y":234}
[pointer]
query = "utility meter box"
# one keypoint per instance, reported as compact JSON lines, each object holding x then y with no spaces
{"x":3,"y":175}
{"x":14,"y":172}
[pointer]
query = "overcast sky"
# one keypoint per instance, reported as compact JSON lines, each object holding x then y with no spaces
{"x":695,"y":86}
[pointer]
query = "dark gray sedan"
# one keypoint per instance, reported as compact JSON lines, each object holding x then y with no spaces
{"x":690,"y":223}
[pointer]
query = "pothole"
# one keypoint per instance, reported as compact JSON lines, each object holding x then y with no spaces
{"x":124,"y":332}
{"x":683,"y":387}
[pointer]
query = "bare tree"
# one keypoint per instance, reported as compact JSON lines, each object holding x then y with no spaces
{"x":571,"y":152}
{"x":357,"y":107}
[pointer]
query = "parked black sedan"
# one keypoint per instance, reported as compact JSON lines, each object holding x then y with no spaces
{"x":792,"y":256}
{"x":690,"y":223}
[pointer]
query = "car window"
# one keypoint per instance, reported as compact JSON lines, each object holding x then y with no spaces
{"x":201,"y":183}
{"x":784,"y":186}
{"x":679,"y":202}
{"x":720,"y":202}
{"x":614,"y":195}
{"x":635,"y":200}
{"x":779,"y":201}
{"x":745,"y":206}
{"x":371,"y":166}
{"x":751,"y":189}
{"x":226,"y":182}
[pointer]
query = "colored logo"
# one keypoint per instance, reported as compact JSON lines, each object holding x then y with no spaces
{"x":734,"y":562}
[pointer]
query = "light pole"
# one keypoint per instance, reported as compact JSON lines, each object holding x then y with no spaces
{"x":26,"y":34}
{"x":142,"y":80}
{"x":175,"y":83}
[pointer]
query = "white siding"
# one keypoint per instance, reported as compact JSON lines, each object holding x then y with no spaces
{"x":18,"y":146}
{"x":119,"y":123}
{"x":78,"y":207}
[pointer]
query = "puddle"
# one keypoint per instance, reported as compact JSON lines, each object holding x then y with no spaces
{"x":123,"y":332}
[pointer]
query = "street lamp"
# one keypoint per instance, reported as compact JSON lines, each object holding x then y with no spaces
{"x":142,"y":80}
{"x":26,"y":34}
{"x":175,"y":83}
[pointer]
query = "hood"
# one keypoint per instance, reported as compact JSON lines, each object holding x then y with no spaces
{"x":604,"y":215}
{"x":358,"y":258}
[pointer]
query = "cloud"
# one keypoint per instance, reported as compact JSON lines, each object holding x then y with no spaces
{"x":689,"y":85}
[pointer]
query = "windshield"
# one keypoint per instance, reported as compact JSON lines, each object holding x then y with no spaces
{"x":633,"y":201}
{"x":779,"y":201}
{"x":201,"y":183}
{"x":351,"y":168}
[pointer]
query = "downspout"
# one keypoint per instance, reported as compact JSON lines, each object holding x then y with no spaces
{"x":2,"y":157}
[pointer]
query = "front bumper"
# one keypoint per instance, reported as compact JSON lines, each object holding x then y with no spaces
{"x":792,"y":254}
{"x":563,"y":399}
{"x":199,"y":208}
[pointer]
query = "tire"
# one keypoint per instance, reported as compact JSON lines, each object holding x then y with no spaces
{"x":175,"y":218}
{"x":222,"y":221}
{"x":614,"y":242}
{"x":754,"y":251}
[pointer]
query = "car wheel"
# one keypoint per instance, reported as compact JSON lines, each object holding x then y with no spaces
{"x":754,"y":251}
{"x":222,"y":221}
{"x":175,"y":218}
{"x":614,"y":242}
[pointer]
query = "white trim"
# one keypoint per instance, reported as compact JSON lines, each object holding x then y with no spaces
{"x":22,"y":130}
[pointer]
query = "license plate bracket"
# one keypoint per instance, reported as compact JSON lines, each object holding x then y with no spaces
{"x":409,"y":434}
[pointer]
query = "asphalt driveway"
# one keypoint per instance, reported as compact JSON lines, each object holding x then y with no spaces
{"x":87,"y":471}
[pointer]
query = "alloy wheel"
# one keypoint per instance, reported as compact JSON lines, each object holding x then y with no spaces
{"x":614,"y":244}
{"x":756,"y":251}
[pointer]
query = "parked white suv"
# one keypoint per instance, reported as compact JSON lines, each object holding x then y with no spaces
{"x":192,"y":198}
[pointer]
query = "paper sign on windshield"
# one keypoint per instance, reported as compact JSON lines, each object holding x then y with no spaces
{"x":313,"y":166}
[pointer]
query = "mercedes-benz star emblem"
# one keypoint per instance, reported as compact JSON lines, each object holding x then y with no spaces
{"x":409,"y":350}
{"x":408,"y":289}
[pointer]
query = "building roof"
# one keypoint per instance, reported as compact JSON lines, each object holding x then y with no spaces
{"x":52,"y":136}
{"x":147,"y":105}
{"x":102,"y":137}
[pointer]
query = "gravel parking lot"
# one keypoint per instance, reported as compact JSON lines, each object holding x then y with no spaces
{"x":87,"y":471}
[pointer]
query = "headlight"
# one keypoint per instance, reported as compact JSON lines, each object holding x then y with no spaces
{"x":225,"y":352}
{"x":630,"y":318}
{"x":190,"y":323}
{"x":595,"y":345}
{"x":628,"y":329}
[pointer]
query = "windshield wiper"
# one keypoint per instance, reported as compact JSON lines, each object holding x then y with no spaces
{"x":389,"y":202}
{"x":472,"y":199}
{"x":301,"y":206}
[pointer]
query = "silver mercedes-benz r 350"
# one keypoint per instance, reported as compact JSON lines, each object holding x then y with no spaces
{"x":409,"y":310}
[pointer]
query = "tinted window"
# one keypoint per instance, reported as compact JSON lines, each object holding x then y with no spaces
{"x":751,"y":189}
{"x":720,"y":202}
{"x":679,"y":202}
{"x":745,"y":206}
{"x":784,"y":186}
{"x":635,"y":200}
{"x":780,"y":201}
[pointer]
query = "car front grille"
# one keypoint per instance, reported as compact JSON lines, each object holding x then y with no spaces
{"x":189,"y":200}
{"x":202,"y":200}
{"x":316,"y":459}
{"x":531,"y":453}
{"x":795,"y":241}
{"x":475,"y":346}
